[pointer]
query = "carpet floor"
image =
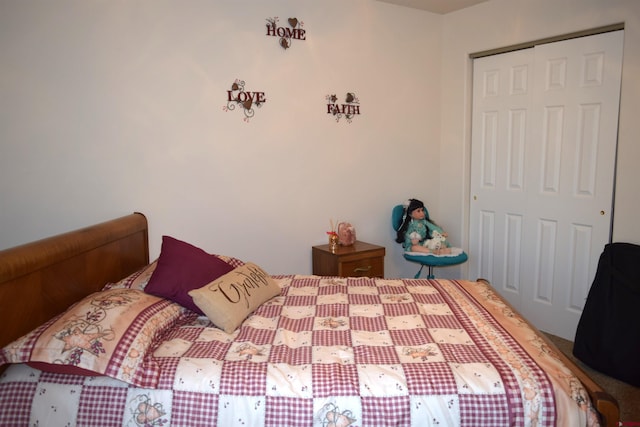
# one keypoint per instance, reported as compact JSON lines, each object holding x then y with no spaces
{"x":628,"y":396}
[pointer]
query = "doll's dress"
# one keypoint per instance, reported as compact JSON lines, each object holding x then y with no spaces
{"x":424,"y":229}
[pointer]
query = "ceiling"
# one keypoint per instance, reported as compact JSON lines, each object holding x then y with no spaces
{"x":436,"y":6}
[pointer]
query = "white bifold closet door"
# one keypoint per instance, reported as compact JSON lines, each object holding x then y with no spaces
{"x":544,"y":137}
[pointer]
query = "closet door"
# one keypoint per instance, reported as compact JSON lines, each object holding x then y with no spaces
{"x":544,"y":137}
{"x":501,"y":110}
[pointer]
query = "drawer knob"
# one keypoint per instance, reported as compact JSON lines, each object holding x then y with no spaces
{"x":362,"y":269}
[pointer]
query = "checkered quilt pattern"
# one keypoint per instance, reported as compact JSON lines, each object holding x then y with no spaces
{"x":326,"y":352}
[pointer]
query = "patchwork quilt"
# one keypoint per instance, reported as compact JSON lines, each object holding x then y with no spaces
{"x":328,"y":351}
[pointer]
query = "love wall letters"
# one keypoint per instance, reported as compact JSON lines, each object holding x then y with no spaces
{"x":246,"y":100}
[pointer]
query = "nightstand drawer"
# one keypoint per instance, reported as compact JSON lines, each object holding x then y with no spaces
{"x":368,"y":267}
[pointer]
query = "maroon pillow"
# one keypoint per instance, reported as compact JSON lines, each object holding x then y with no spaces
{"x":62,"y":369}
{"x":183,"y":267}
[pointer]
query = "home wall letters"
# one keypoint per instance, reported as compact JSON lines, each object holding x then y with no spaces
{"x":286,"y":34}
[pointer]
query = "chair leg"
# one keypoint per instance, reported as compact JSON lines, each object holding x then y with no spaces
{"x":430,"y":274}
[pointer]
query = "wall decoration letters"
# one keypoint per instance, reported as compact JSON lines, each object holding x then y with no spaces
{"x":348,"y":110}
{"x":237,"y":96}
{"x":286,"y":34}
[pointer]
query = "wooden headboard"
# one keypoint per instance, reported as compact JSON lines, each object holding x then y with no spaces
{"x":41,"y":279}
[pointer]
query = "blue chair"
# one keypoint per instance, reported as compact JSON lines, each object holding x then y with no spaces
{"x":425,"y":260}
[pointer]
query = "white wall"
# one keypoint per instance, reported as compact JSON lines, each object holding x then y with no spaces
{"x":500,"y":23}
{"x":112,"y":107}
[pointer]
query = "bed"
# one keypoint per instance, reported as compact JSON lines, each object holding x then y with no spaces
{"x":326,"y":351}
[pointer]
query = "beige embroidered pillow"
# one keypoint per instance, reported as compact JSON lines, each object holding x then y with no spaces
{"x":107,"y":333}
{"x":229,"y":299}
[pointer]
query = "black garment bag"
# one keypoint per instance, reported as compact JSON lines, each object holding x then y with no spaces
{"x":608,"y":334}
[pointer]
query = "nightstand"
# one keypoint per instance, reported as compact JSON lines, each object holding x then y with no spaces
{"x":360,"y":260}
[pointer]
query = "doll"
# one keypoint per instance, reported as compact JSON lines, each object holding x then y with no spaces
{"x":418,"y":233}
